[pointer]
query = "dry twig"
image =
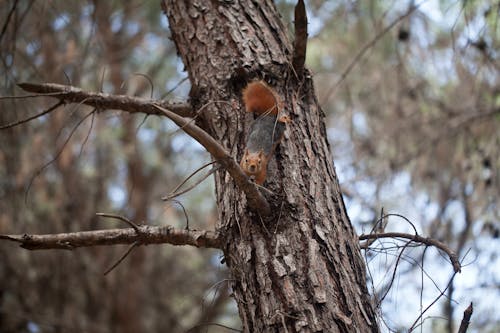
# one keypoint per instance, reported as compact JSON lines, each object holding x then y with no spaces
{"x":414,"y":325}
{"x":121,"y":218}
{"x":466,"y":319}
{"x":419,"y":239}
{"x":106,"y":101}
{"x":175,"y":192}
{"x":22,"y":121}
{"x":300,"y":42}
{"x":146,"y":234}
{"x":123,"y":256}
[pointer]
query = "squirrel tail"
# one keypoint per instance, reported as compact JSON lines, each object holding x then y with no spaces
{"x":260,"y":98}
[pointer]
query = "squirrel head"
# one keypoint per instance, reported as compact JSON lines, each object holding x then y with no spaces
{"x":253,"y":163}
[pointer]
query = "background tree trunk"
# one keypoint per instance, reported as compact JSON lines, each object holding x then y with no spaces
{"x":300,"y":270}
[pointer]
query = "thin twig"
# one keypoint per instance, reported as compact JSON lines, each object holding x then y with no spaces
{"x":466,"y":319}
{"x":175,"y":192}
{"x":121,"y":218}
{"x":129,"y":250}
{"x":378,"y":227}
{"x":187,"y":178}
{"x":300,"y":42}
{"x":412,"y":262}
{"x":102,"y":79}
{"x":413,"y":326}
{"x":88,"y":133}
{"x":419,"y":239}
{"x":30,"y":96}
{"x":185,"y":213}
{"x":150,"y":83}
{"x":174,"y":88}
{"x":22,"y":121}
{"x":43,"y":167}
{"x":214,"y":324}
{"x":388,"y":288}
{"x":7,"y":21}
{"x":384,"y":220}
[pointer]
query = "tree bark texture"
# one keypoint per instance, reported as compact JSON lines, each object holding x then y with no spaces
{"x":301,"y":269}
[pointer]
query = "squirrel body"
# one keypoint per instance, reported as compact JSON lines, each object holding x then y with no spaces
{"x":266,"y":131}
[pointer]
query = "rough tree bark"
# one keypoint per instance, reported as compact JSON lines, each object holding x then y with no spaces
{"x":299,"y":270}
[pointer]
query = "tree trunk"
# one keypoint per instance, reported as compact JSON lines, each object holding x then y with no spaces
{"x":301,"y":269}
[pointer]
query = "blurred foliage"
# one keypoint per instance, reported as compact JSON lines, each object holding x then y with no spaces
{"x":413,"y":126}
{"x":57,"y":171}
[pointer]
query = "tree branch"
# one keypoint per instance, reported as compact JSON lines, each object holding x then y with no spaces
{"x":139,"y":105}
{"x":145,"y":235}
{"x":22,"y":121}
{"x":465,"y":320}
{"x":106,"y":101}
{"x":419,"y":239}
{"x":300,"y":42}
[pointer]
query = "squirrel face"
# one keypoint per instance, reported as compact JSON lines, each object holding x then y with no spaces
{"x":253,"y":163}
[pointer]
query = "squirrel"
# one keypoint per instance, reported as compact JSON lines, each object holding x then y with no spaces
{"x":266,"y":131}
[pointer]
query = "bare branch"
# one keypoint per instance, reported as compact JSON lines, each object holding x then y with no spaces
{"x":414,"y":325}
{"x":174,"y":88}
{"x":147,"y":235}
{"x":121,"y":218}
{"x":215,"y":324}
{"x":22,"y":121}
{"x":388,"y":287}
{"x":184,"y":211}
{"x":106,"y":101}
{"x":119,"y":261}
{"x":40,"y":170}
{"x":419,"y":239}
{"x":7,"y":21}
{"x":466,"y":319}
{"x":300,"y":42}
{"x":175,"y":192}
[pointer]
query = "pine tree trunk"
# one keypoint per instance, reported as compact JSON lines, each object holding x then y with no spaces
{"x":301,"y":269}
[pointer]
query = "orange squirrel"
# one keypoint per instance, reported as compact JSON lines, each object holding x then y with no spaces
{"x":266,"y":131}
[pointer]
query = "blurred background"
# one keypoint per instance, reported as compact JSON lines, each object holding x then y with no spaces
{"x":411,"y":93}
